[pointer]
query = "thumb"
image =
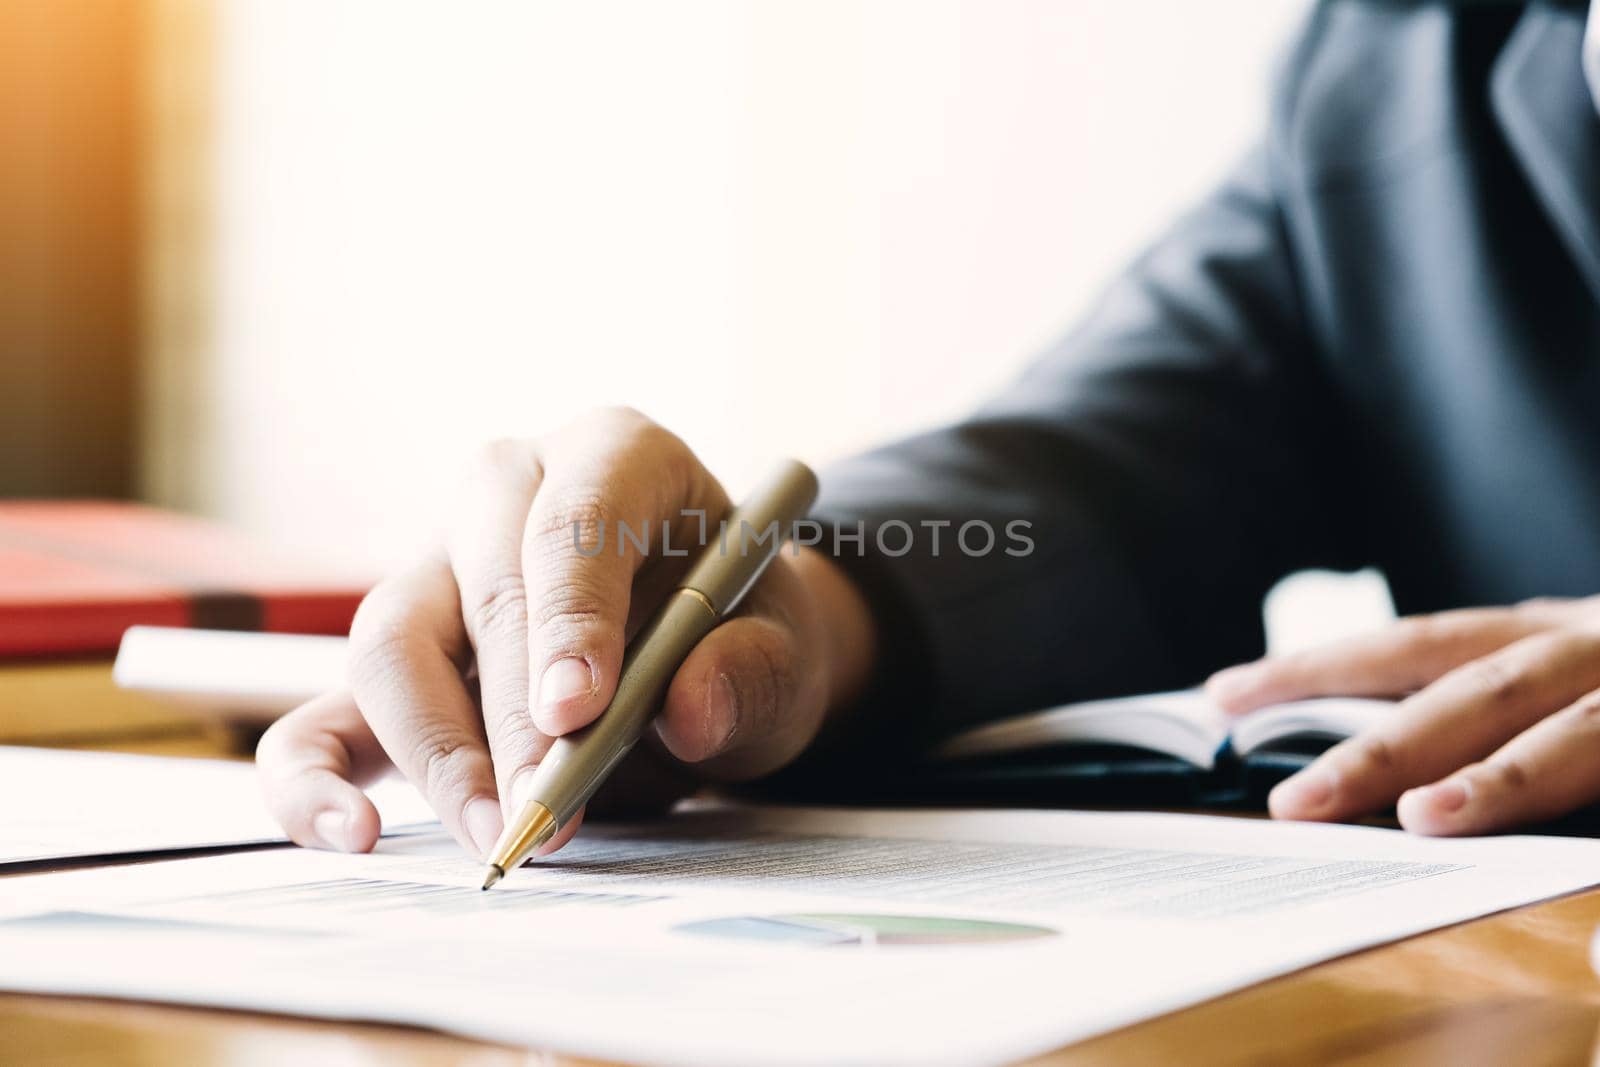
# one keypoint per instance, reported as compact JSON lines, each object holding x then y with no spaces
{"x":748,"y":699}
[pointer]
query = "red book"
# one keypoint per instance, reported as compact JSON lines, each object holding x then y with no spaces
{"x":75,"y":574}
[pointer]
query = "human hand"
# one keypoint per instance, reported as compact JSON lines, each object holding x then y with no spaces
{"x":464,"y":668}
{"x":1499,"y":725}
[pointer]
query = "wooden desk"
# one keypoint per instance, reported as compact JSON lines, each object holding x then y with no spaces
{"x":1514,"y":988}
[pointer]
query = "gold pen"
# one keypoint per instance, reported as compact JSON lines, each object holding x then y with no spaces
{"x":726,"y":568}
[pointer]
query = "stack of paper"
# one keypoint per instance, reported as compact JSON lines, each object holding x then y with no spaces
{"x":742,"y":935}
{"x":60,"y":805}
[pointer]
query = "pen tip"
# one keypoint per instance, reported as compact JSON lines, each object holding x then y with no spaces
{"x":494,"y":875}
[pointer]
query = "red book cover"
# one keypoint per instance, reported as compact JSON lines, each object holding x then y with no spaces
{"x":75,"y":574}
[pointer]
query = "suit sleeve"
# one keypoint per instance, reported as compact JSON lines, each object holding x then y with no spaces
{"x":1166,"y":461}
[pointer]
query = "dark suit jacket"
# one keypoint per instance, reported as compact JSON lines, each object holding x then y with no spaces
{"x":1378,"y":343}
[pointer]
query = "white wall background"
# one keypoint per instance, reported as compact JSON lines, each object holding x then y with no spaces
{"x":776,"y":227}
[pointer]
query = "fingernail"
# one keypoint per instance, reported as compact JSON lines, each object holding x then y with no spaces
{"x":1307,"y":791}
{"x":1450,"y":795}
{"x":722,"y":714}
{"x":564,"y":679}
{"x":483,"y":821}
{"x":332,"y":828}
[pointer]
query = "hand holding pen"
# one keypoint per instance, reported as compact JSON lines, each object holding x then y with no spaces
{"x":465,"y":667}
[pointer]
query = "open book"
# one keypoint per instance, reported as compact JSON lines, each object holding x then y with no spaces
{"x":1185,"y":725}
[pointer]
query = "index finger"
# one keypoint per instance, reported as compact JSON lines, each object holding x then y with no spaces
{"x":611,"y":487}
{"x":1396,"y":661}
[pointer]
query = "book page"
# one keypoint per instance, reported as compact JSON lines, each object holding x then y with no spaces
{"x":797,"y":936}
{"x":1327,"y":718}
{"x":1184,"y":724}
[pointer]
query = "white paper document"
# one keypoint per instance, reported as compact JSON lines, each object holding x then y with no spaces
{"x":767,"y":935}
{"x":57,"y":805}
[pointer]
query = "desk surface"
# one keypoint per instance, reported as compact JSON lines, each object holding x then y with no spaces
{"x":1512,"y":988}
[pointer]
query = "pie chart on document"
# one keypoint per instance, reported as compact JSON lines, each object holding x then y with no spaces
{"x":843,"y":930}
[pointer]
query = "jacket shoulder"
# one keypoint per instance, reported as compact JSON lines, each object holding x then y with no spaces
{"x":1369,"y":87}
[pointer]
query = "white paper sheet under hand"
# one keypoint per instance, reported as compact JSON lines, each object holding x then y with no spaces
{"x":738,"y":936}
{"x":58,"y":805}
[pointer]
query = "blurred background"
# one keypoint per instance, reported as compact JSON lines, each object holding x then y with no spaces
{"x":286,"y":263}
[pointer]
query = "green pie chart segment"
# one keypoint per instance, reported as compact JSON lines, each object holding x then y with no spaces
{"x":839,"y":929}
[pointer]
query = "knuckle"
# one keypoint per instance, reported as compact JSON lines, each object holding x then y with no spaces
{"x":380,"y":641}
{"x":1507,"y":774}
{"x":579,"y":517}
{"x":503,"y":694}
{"x":1375,"y":754}
{"x":384,"y":642}
{"x":516,"y":733}
{"x":1496,"y":678}
{"x":572,"y":610}
{"x":501,"y":606}
{"x":441,"y":755}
